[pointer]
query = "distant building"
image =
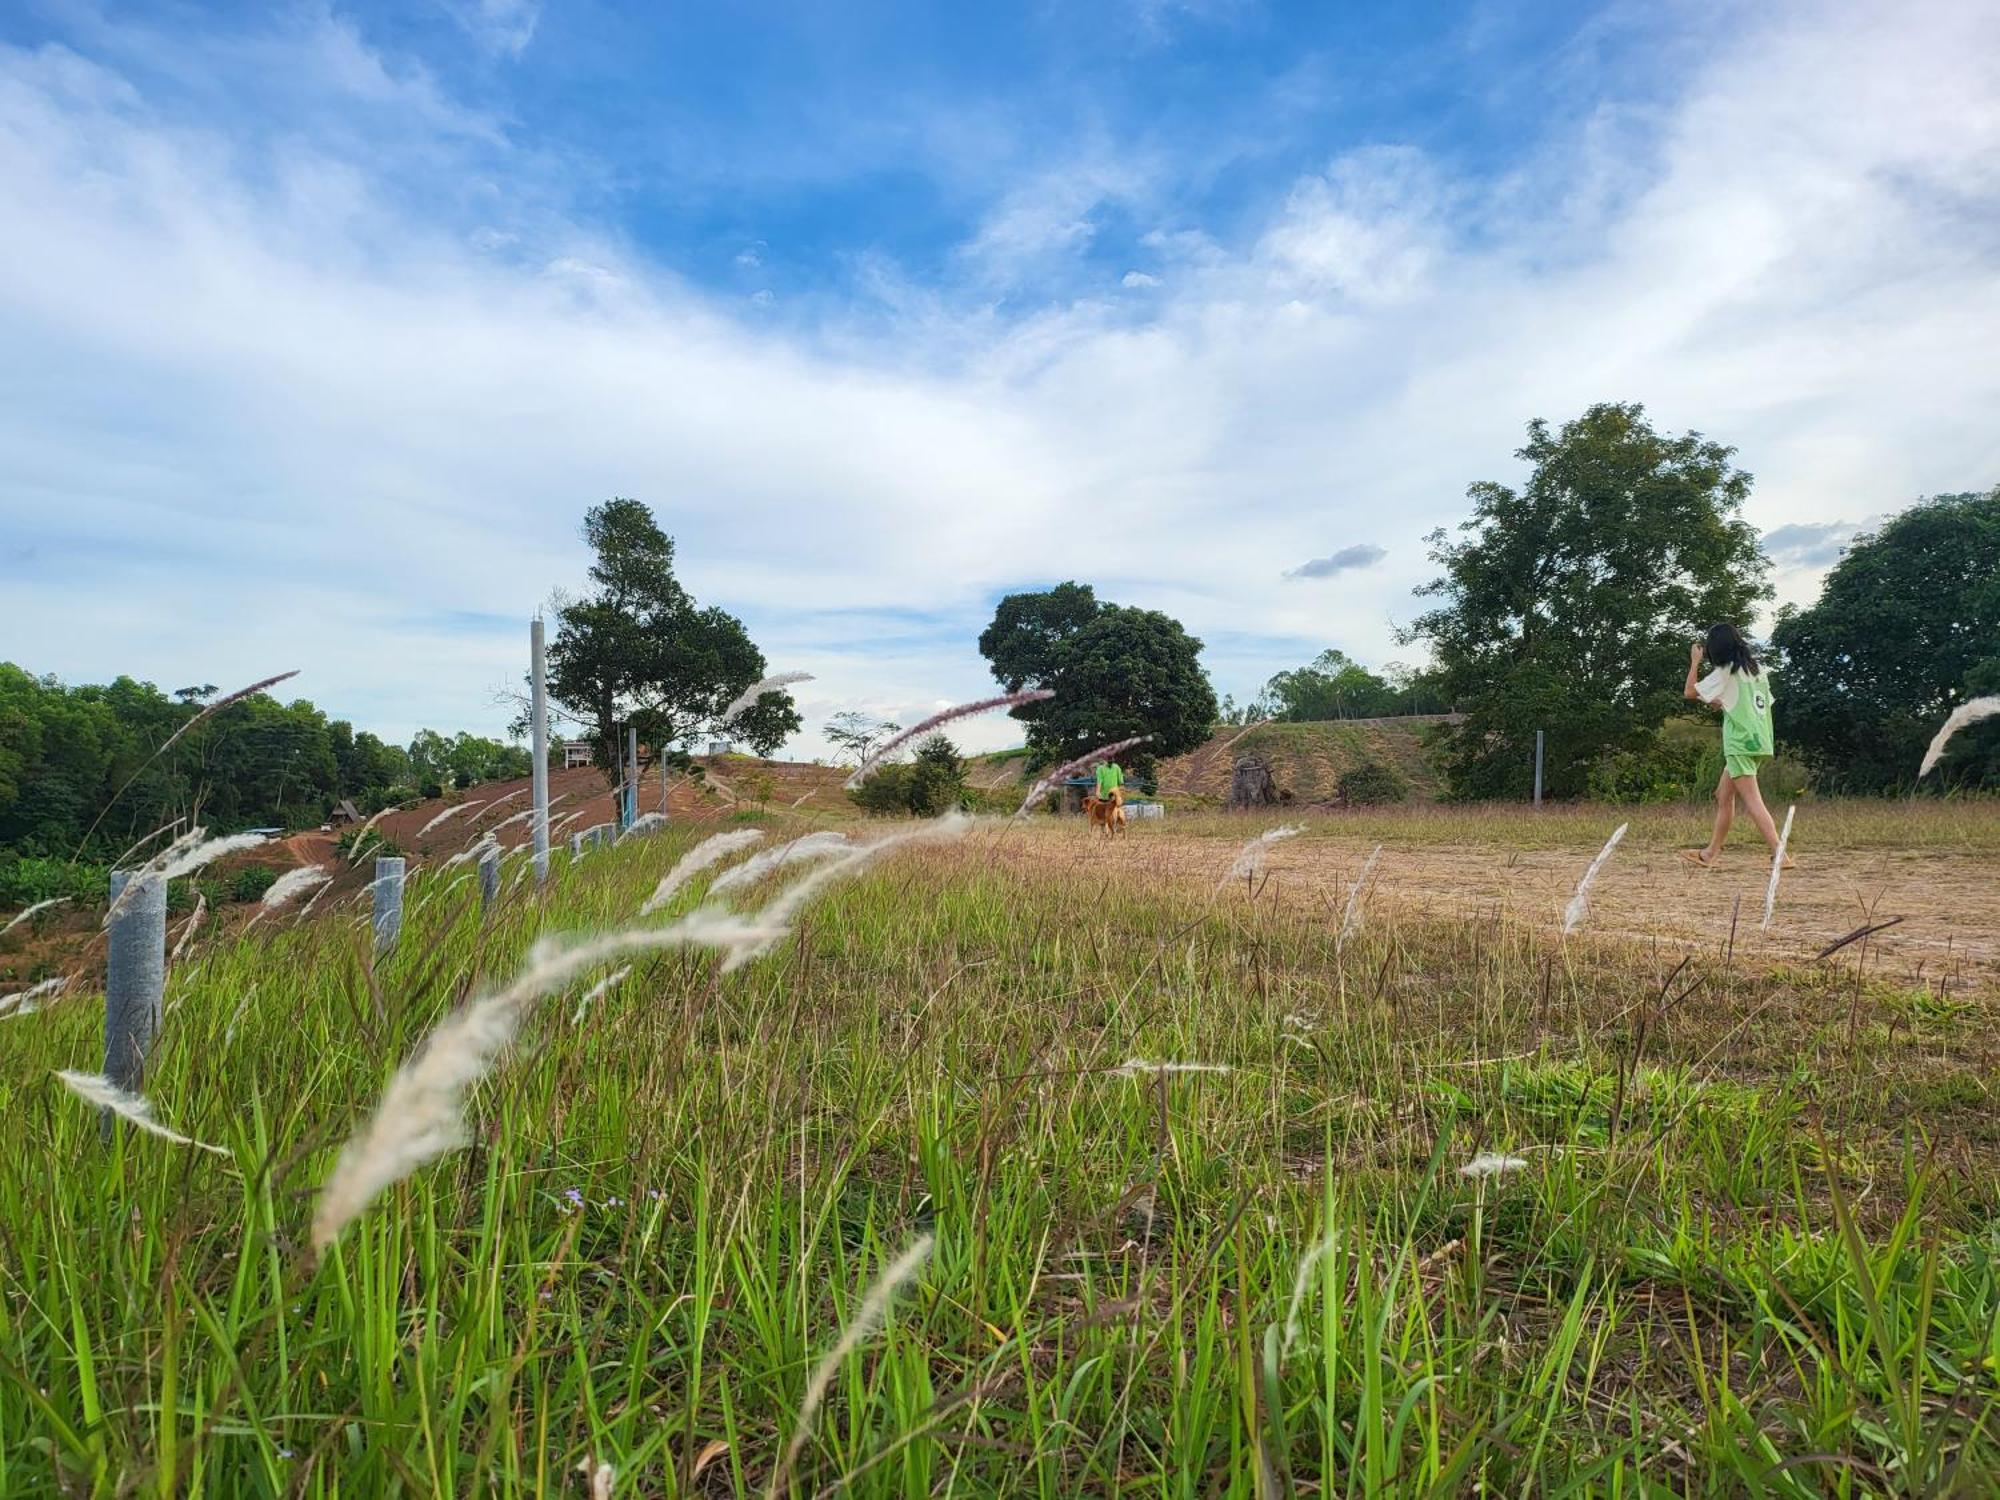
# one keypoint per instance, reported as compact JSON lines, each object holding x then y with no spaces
{"x":719,"y":747}
{"x":576,"y":753}
{"x":344,"y":811}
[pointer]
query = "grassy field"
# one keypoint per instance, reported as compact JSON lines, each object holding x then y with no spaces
{"x":1733,"y":1226}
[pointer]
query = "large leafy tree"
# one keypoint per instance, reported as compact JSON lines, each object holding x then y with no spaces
{"x":1332,"y":686}
{"x":1116,"y":672}
{"x":1568,"y":605}
{"x":1906,"y":628}
{"x":638,"y":650}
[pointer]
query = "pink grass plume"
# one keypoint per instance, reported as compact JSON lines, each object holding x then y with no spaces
{"x":961,"y":711}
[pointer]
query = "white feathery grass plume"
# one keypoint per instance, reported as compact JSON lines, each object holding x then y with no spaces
{"x":1777,"y":867}
{"x":219,"y":705}
{"x":1140,"y":1067}
{"x":450,"y":812}
{"x":292,"y":884}
{"x":874,"y":1307}
{"x":822,"y":845}
{"x":359,"y":842}
{"x":418,"y":1117}
{"x":644,"y":823}
{"x":193,"y":926}
{"x":710,"y":851}
{"x":1351,"y":919}
{"x":119,"y":862}
{"x":1072,"y":767}
{"x":479,"y":848}
{"x":211,"y":709}
{"x":22,"y":1002}
{"x":756,"y":690}
{"x":1250,"y":858}
{"x":208,"y":852}
{"x":1300,"y":1278}
{"x":771,"y":923}
{"x":916,"y":732}
{"x":96,"y":1089}
{"x":1491,"y":1164}
{"x":1964,"y":715}
{"x":1579,"y":904}
{"x":454,"y":883}
{"x":597,"y":991}
{"x":519,"y":817}
{"x":494,"y":802}
{"x":27,"y":912}
{"x":182,"y":857}
{"x":565,"y":820}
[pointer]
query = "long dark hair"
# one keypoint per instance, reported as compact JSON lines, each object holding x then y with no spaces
{"x":1727,"y":648}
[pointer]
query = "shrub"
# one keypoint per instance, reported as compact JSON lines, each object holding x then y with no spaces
{"x":29,"y":879}
{"x":379,"y":843}
{"x":1372,"y":781}
{"x":250,"y":883}
{"x":931,"y":784}
{"x":431,"y":789}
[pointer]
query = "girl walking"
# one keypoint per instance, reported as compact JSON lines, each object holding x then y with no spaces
{"x":1737,"y":686}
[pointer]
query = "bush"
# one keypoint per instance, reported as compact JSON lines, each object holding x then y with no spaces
{"x":430,"y":789}
{"x":1370,"y":782}
{"x":27,"y":880}
{"x":1683,"y":761}
{"x":931,"y":784}
{"x":250,"y":883}
{"x":379,"y":844}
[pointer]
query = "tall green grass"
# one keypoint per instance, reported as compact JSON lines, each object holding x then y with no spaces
{"x":1754,"y":1248}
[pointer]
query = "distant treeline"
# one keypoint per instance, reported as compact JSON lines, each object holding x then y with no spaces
{"x":66,"y":751}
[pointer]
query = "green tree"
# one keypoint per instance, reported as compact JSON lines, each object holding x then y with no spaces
{"x":854,"y":733}
{"x":1570,"y":604}
{"x":1905,"y":629}
{"x":1116,"y":672}
{"x":638,"y":651}
{"x":1332,"y":686}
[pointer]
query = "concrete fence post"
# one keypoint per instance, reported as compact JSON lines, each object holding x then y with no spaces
{"x":388,"y":902}
{"x":135,"y":978}
{"x":631,"y":805}
{"x":489,"y":878}
{"x":576,"y":844}
{"x":538,"y":672}
{"x":1538,"y":768}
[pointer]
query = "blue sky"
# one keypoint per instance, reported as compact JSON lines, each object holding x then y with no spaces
{"x":326,"y":321}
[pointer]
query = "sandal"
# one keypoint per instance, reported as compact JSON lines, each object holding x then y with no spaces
{"x":1698,"y":857}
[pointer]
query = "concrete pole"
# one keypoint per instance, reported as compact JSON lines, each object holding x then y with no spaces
{"x":135,"y":977}
{"x":489,"y":878}
{"x":576,"y":843}
{"x":631,"y":776}
{"x":1538,"y":768}
{"x":538,"y":671}
{"x":388,"y":902}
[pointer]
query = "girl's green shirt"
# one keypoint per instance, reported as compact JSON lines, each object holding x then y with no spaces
{"x":1745,"y":700}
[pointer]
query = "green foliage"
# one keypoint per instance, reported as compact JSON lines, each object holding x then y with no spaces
{"x":65,"y":752}
{"x":1116,"y":672}
{"x":26,"y":880}
{"x":1372,"y":781}
{"x":1681,"y":761}
{"x":855,"y":734}
{"x":638,"y":651}
{"x":1906,"y":628}
{"x":250,"y":883}
{"x":1569,"y":605}
{"x":931,"y":784}
{"x":378,"y":845}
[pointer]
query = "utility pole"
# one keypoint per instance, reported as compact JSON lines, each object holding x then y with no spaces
{"x":1538,"y":768}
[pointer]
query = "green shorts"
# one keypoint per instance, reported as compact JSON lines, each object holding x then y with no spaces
{"x":1742,"y":765}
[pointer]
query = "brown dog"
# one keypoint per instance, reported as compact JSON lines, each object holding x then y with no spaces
{"x":1108,"y":815}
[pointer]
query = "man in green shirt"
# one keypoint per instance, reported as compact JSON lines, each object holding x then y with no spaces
{"x":1111,"y":783}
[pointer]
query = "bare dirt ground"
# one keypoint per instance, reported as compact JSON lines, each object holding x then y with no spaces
{"x":1949,"y":902}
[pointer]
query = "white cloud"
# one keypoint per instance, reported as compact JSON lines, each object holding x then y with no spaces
{"x":498,"y":25}
{"x":287,"y":410}
{"x":1139,"y":279}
